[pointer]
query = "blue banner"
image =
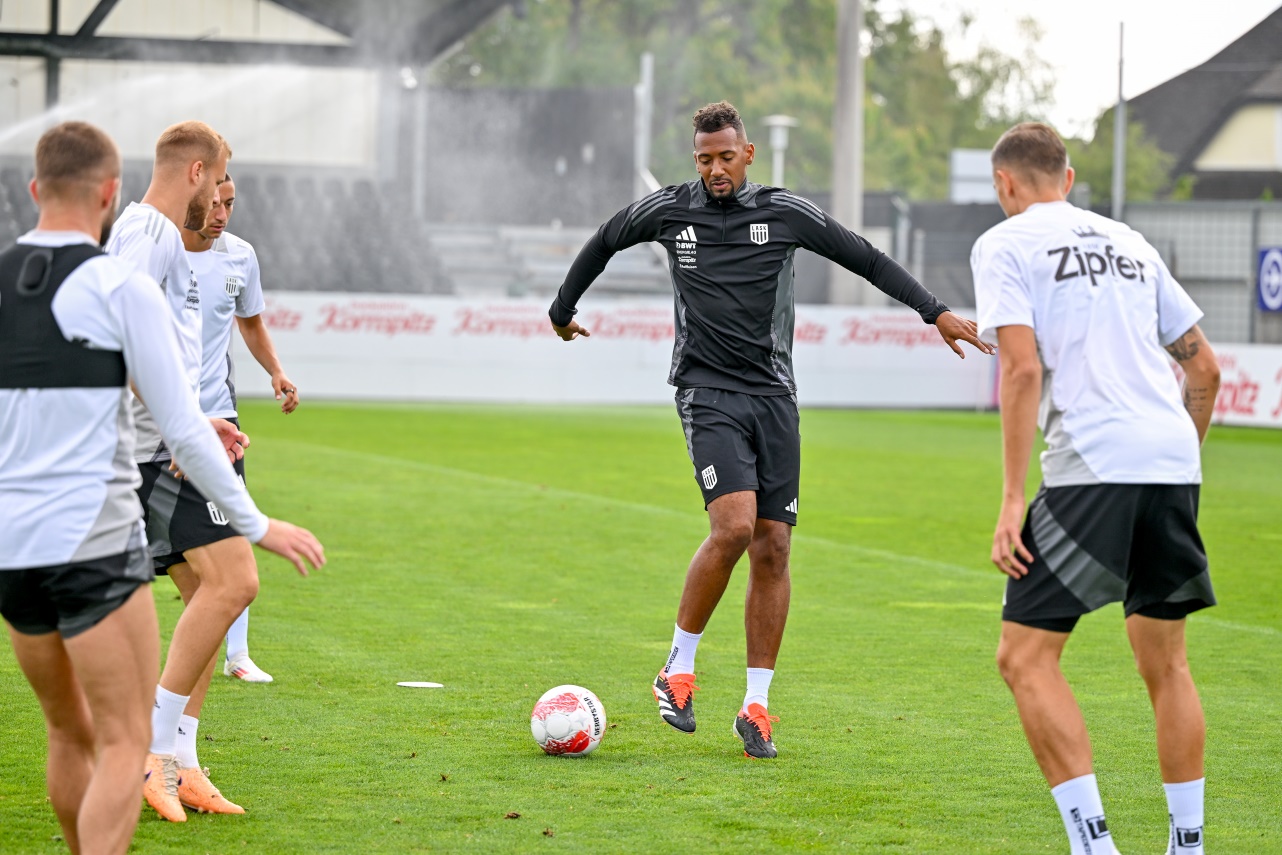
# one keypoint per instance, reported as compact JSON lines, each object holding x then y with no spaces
{"x":1269,"y":279}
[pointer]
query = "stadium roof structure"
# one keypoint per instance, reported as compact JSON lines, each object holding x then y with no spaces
{"x":378,"y":33}
{"x":1184,"y":114}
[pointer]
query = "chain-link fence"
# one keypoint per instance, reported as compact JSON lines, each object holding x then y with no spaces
{"x":1212,"y":248}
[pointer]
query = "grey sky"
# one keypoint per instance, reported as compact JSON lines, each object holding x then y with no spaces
{"x":1163,"y":38}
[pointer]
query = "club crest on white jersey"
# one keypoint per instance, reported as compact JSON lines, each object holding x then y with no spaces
{"x":233,"y":285}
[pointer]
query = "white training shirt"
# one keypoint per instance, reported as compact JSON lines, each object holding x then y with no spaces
{"x":229,"y":288}
{"x":67,"y":479}
{"x":151,"y":243}
{"x":1103,"y":306}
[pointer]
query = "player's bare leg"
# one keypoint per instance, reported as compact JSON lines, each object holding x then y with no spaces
{"x":228,"y":583}
{"x":111,"y":679}
{"x":68,"y":722}
{"x":1181,"y":727}
{"x":1028,"y":659}
{"x":187,"y":583}
{"x":769,"y":590}
{"x":731,"y":518}
{"x":764,"y":615}
{"x":1163,"y":663}
{"x":205,"y":568}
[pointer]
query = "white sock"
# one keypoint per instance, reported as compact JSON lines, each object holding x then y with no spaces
{"x":758,"y":687}
{"x":185,"y":747}
{"x":1185,"y":803}
{"x":238,"y":637}
{"x":681,"y":659}
{"x":164,"y":720}
{"x":1083,"y":813}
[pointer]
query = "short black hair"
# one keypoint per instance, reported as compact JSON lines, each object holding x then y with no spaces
{"x":714,"y":117}
{"x":1031,"y":147}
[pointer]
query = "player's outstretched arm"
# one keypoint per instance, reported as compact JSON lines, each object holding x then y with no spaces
{"x":954,"y":328}
{"x":296,"y":545}
{"x":639,"y":222}
{"x":820,"y":233}
{"x":1021,"y":391}
{"x":570,"y":331}
{"x":150,"y":347}
{"x":1201,"y":377}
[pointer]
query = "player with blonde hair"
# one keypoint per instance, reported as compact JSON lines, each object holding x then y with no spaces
{"x":212,"y":565}
{"x":76,"y":326}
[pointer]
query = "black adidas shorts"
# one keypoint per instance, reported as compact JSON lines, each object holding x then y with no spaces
{"x":177,"y":516}
{"x":1105,"y":543}
{"x":71,"y":598}
{"x":744,"y":442}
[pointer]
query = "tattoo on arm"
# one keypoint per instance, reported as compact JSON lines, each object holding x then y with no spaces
{"x":1186,"y":347}
{"x":1197,"y":398}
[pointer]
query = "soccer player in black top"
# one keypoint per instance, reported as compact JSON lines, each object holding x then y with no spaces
{"x":730,"y":244}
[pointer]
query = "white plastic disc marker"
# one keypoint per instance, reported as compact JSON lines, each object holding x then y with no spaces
{"x":413,"y":684}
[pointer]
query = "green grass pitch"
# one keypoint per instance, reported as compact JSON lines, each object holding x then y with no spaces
{"x":502,"y":551}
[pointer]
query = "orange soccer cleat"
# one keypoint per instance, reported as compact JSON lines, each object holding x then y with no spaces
{"x":160,"y":788}
{"x":753,"y":727}
{"x":675,"y":696}
{"x":197,"y":792}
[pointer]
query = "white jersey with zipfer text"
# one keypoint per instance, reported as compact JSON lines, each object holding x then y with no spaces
{"x":1103,"y":307}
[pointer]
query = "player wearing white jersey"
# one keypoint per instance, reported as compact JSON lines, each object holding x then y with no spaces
{"x":1082,"y":308}
{"x":191,"y":161}
{"x":231,"y":294}
{"x":75,"y":326}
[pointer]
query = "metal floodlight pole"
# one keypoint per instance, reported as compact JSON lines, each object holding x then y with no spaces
{"x":419,"y":182}
{"x":779,"y":126}
{"x":848,"y":146}
{"x":1119,"y":135}
{"x":642,"y":181}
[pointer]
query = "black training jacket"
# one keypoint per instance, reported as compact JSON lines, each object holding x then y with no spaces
{"x":732,"y":274}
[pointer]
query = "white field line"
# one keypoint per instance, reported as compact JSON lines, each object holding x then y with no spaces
{"x":659,"y":510}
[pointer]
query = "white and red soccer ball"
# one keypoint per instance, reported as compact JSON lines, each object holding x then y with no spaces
{"x":568,"y":720}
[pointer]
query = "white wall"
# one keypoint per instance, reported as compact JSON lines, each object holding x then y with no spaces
{"x":422,"y":348}
{"x":371,"y":347}
{"x":270,"y":114}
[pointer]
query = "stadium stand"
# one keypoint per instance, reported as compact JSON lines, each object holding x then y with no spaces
{"x":316,"y":235}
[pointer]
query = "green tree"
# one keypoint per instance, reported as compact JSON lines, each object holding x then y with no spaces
{"x":769,"y":56}
{"x":1148,"y":167}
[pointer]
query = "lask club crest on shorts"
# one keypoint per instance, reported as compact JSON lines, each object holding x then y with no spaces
{"x":709,"y":477}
